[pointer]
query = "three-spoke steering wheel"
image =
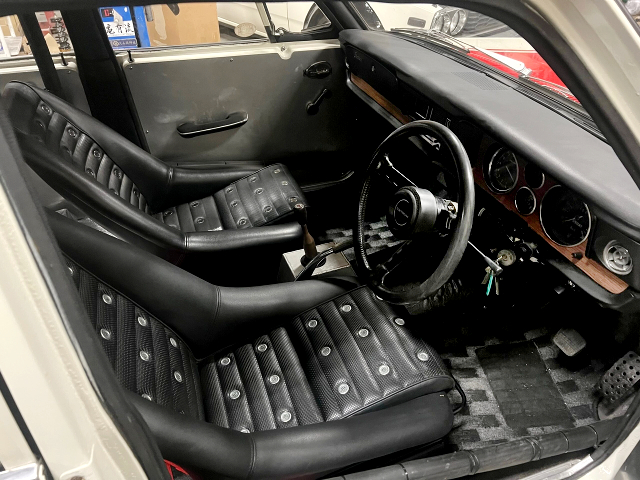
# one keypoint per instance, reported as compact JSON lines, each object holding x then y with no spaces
{"x":414,"y":212}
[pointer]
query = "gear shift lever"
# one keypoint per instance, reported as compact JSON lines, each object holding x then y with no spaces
{"x":308,"y":243}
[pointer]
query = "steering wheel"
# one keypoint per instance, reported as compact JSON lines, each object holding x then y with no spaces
{"x":414,"y":213}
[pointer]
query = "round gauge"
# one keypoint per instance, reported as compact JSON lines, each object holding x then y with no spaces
{"x":533,"y":176}
{"x":565,"y":218}
{"x":525,"y":201}
{"x":502,"y":171}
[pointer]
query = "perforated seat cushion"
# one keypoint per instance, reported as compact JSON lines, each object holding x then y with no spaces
{"x":344,"y":357}
{"x":347,"y":356}
{"x":262,"y":198}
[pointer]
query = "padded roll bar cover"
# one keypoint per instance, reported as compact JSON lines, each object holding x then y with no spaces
{"x":228,"y":240}
{"x":215,"y":315}
{"x":308,"y":451}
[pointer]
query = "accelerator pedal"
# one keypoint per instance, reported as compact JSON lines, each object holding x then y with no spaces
{"x":618,"y":383}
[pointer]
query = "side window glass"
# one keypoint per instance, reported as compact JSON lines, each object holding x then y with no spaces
{"x":297,"y":17}
{"x":178,"y":24}
{"x":13,"y":42}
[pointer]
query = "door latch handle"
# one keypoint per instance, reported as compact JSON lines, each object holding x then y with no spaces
{"x":314,"y":107}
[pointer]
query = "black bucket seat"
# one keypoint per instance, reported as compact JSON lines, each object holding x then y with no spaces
{"x":171,"y":211}
{"x":277,"y":381}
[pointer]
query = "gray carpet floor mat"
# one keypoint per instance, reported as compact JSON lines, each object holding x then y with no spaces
{"x":483,"y":423}
{"x":377,"y":237}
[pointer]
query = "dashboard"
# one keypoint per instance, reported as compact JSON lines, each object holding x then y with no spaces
{"x":564,"y":182}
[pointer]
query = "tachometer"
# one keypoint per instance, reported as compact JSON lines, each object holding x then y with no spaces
{"x":502,"y":171}
{"x":565,"y":218}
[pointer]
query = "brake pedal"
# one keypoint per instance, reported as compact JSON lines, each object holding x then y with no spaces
{"x":619,"y":382}
{"x":569,"y":341}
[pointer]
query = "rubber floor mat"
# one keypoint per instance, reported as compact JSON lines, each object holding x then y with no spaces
{"x":526,"y":394}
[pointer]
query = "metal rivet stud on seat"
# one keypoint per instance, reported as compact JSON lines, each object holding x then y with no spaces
{"x":343,"y":389}
{"x":72,"y":133}
{"x":245,"y":430}
{"x":234,"y":203}
{"x":262,"y":347}
{"x":363,"y":332}
{"x":173,"y":342}
{"x":106,"y":334}
{"x":144,"y":355}
{"x":46,"y":109}
{"x":242,"y":221}
{"x":399,"y":321}
{"x":384,"y":369}
{"x":142,"y":321}
{"x":285,"y":183}
{"x":325,"y":351}
{"x":267,"y":209}
{"x":346,"y":308}
{"x":194,"y":204}
{"x":97,"y":153}
{"x":107,"y":299}
{"x":177,"y":376}
{"x":199,"y":220}
{"x":229,"y":190}
{"x":225,"y":361}
{"x":90,"y":172}
{"x":277,"y":170}
{"x":146,"y":396}
{"x":113,"y":190}
{"x":253,"y":179}
{"x":293,"y":199}
{"x":40,"y":124}
{"x":167,"y":213}
{"x":273,"y":379}
{"x":285,"y":416}
{"x":313,"y":323}
{"x":258,"y":191}
{"x":117,"y":173}
{"x":423,"y":357}
{"x":234,"y":394}
{"x":70,"y":270}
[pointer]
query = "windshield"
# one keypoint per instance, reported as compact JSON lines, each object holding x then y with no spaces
{"x":474,"y":34}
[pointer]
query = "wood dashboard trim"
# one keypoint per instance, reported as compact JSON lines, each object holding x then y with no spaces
{"x":590,"y":267}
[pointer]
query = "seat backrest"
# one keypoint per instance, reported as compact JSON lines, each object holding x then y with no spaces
{"x":44,"y":122}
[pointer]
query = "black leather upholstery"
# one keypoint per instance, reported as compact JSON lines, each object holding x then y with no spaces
{"x":137,"y":195}
{"x":323,"y":374}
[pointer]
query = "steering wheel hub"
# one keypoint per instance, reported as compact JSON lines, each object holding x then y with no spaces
{"x":413,"y":211}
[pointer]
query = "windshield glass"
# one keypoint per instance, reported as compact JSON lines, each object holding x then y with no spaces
{"x":474,"y":34}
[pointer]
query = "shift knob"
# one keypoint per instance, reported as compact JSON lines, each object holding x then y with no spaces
{"x":300,"y":212}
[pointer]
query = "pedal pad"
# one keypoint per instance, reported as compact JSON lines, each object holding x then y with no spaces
{"x":619,"y":382}
{"x":569,"y":341}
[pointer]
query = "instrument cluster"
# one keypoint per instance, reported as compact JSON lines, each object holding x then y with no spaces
{"x":563,"y":217}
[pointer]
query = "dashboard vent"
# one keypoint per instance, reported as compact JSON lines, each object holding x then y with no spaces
{"x":617,"y":258}
{"x":480,"y":80}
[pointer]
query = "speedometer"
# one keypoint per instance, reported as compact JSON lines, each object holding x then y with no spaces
{"x":565,"y":218}
{"x":502,"y":171}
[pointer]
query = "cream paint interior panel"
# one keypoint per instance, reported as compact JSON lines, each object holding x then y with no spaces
{"x":45,"y":375}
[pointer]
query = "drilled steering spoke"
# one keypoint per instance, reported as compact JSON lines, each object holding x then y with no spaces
{"x":393,"y":261}
{"x":392,"y":175}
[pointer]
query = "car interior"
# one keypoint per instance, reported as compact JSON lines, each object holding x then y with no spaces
{"x":489,"y":234}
